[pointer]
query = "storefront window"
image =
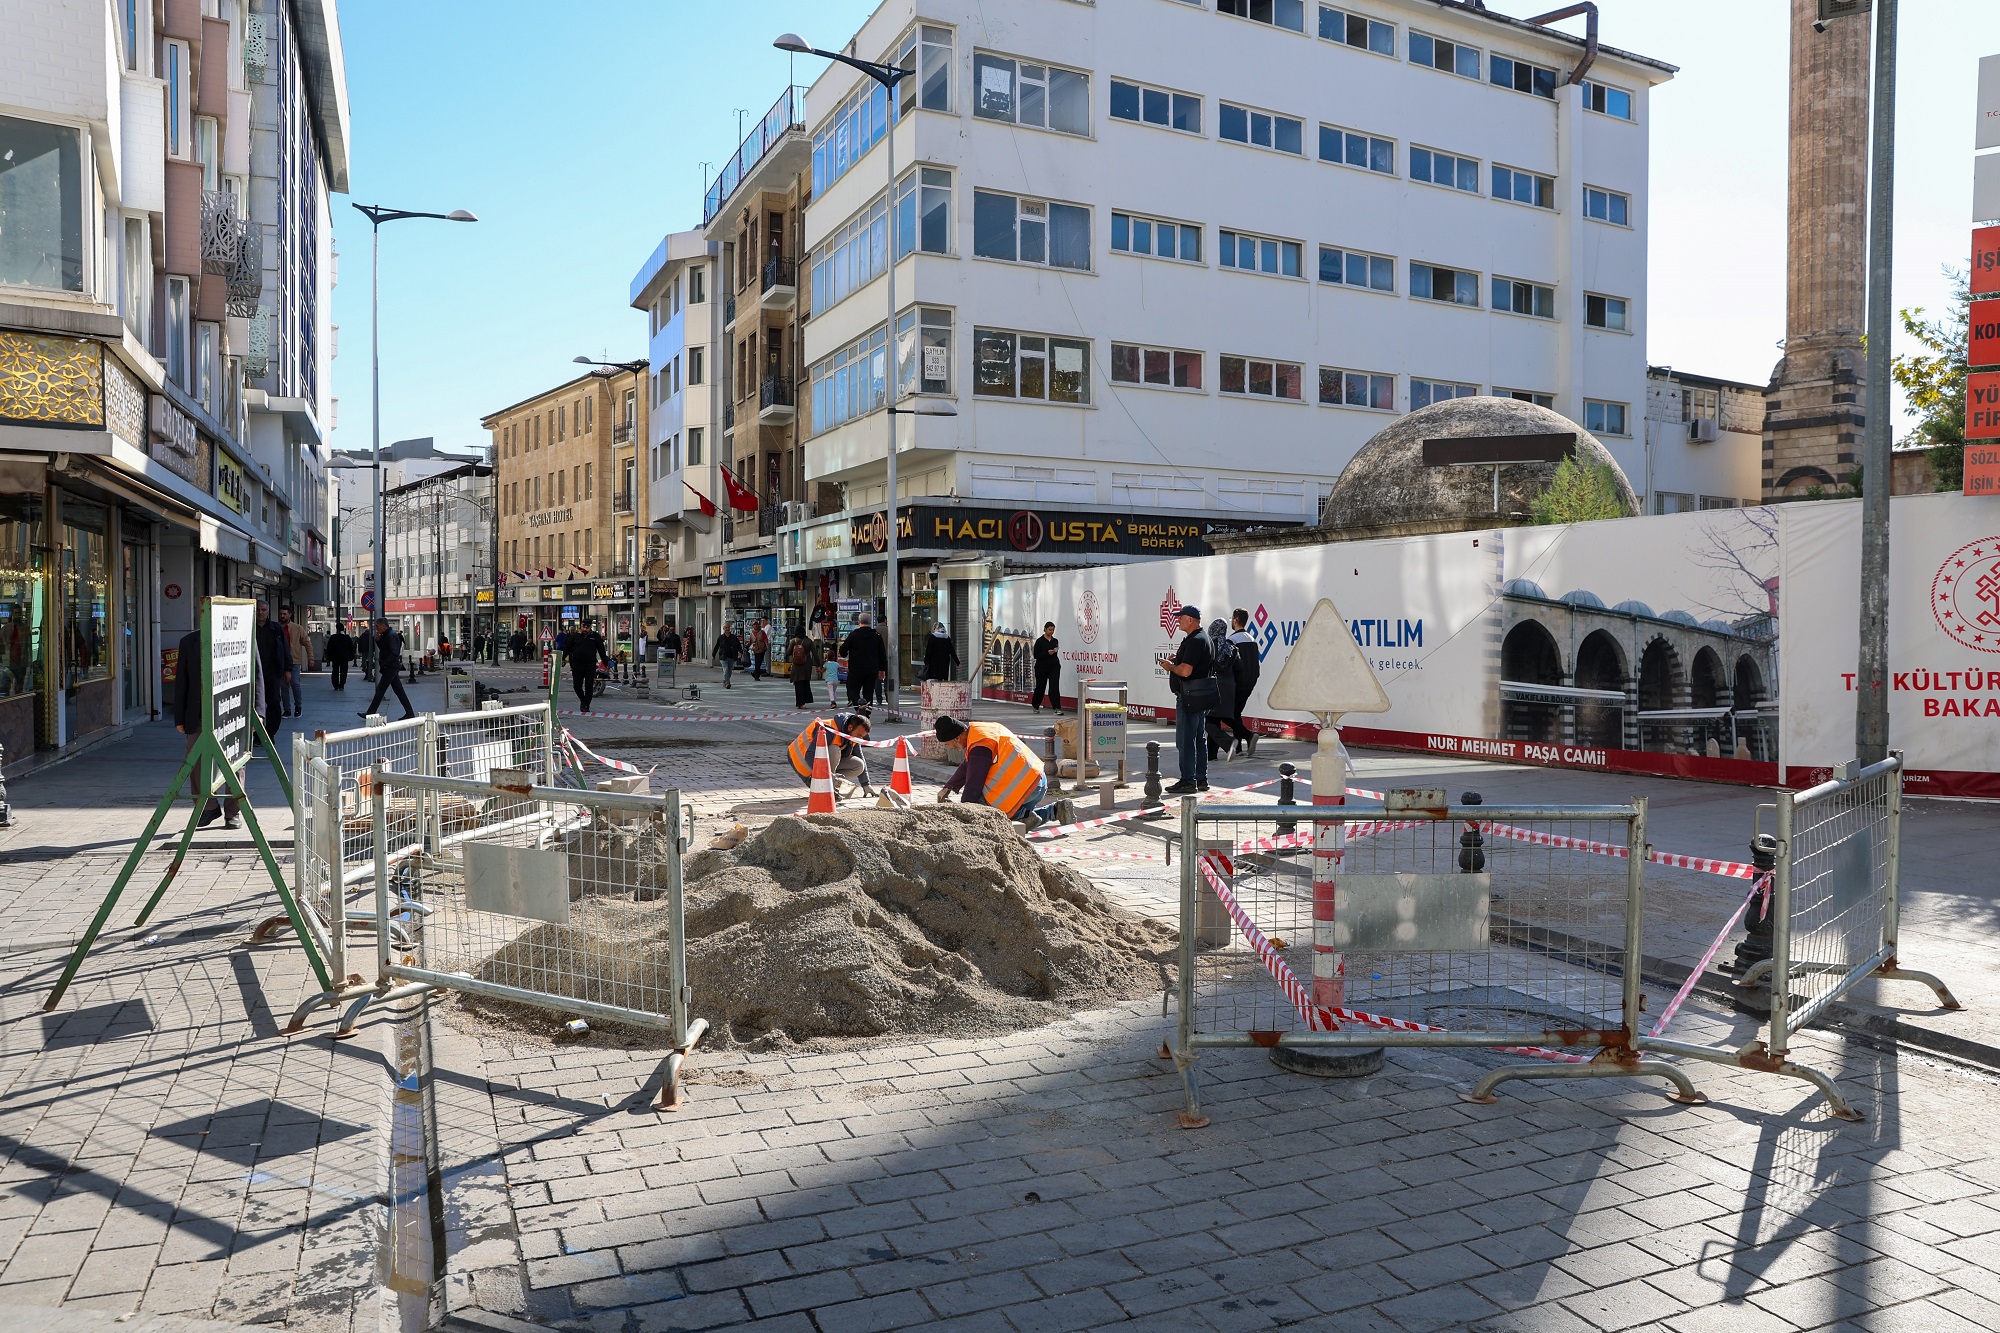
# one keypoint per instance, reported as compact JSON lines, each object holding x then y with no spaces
{"x":21,"y":595}
{"x":42,"y":200}
{"x":86,"y":591}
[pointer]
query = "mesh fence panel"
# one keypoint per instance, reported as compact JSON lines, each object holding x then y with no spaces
{"x":1839,"y":851}
{"x":1550,"y":958}
{"x":472,"y":745}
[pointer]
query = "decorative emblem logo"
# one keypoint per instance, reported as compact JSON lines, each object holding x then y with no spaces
{"x":874,"y":533}
{"x":1086,"y":617}
{"x":1024,"y":530}
{"x":1170,"y":611}
{"x":1965,"y":595}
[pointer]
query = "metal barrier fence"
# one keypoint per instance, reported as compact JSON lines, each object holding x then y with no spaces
{"x":333,"y":857}
{"x":563,"y":900}
{"x":1834,"y":912}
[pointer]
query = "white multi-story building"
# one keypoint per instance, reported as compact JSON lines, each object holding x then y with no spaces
{"x":165,"y":273}
{"x":685,"y":565}
{"x":1704,"y":443}
{"x":1172,"y":262}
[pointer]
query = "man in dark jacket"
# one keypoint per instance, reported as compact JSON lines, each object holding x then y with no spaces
{"x":389,"y":655}
{"x":728,"y":651}
{"x":1048,"y":667}
{"x":940,"y":654}
{"x":1249,"y":669}
{"x":866,"y":661}
{"x":584,"y":650}
{"x":187,"y":721}
{"x":339,"y":652}
{"x":364,"y":645}
{"x":1191,"y":677}
{"x":274,"y":659}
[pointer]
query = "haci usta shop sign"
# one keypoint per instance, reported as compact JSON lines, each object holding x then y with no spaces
{"x":1060,"y":532}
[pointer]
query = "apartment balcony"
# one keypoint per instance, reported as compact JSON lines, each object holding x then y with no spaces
{"x":621,"y":502}
{"x":622,"y":434}
{"x":780,"y":287}
{"x":729,"y":416}
{"x":775,"y":404}
{"x":729,"y":310}
{"x":777,"y":146}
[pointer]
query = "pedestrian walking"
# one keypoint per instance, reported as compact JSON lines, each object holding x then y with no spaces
{"x":339,"y":655}
{"x":187,"y":721}
{"x":1048,"y":667}
{"x":389,"y":676}
{"x":805,"y":666}
{"x":866,"y":658}
{"x":1249,"y":668}
{"x":728,"y":651}
{"x":274,"y":659}
{"x":584,"y":651}
{"x":1223,"y":653}
{"x":940,"y":654}
{"x":364,"y":644}
{"x":299,"y":644}
{"x":1191,"y":677}
{"x":760,"y":651}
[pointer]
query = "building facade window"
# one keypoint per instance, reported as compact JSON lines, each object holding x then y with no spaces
{"x":1605,"y":312}
{"x":1435,"y":282}
{"x":1350,"y":148}
{"x":695,"y":437}
{"x":1547,"y":400}
{"x":851,"y":382}
{"x":1357,"y":388}
{"x":1262,"y":129}
{"x":44,"y":241}
{"x":178,"y":307}
{"x":923,"y":351}
{"x":1278,"y":13}
{"x":1247,"y":253}
{"x":697,"y":286}
{"x":849,"y":133}
{"x":854,"y":255}
{"x":1158,"y":238}
{"x":179,"y":129}
{"x":1701,"y":405}
{"x":1524,"y":187}
{"x":1601,"y":418}
{"x":923,"y":212}
{"x":1607,"y":101}
{"x":927,"y":50}
{"x":1524,"y":298}
{"x":1522,"y":77}
{"x":1357,"y":30}
{"x":1447,"y":169}
{"x":1160,"y":367}
{"x":1155,"y":106}
{"x":1030,"y":366}
{"x":1043,"y":97}
{"x":697,"y":373}
{"x":1607,"y":206}
{"x":1254,"y":377}
{"x":86,"y":591}
{"x":1030,"y":231}
{"x":1438,"y":53}
{"x":1425,"y":392}
{"x":1353,"y":268}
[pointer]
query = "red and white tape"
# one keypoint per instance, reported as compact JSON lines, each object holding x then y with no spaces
{"x":1705,"y":864}
{"x":1042,"y":834}
{"x":575,"y":747}
{"x":1762,"y":885}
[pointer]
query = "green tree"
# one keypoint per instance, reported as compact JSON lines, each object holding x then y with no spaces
{"x":1934,"y":379}
{"x":1578,"y":493}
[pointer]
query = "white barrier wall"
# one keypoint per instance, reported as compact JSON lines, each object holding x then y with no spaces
{"x":1648,"y":644}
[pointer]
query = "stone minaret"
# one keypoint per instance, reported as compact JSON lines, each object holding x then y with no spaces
{"x":1814,"y":408}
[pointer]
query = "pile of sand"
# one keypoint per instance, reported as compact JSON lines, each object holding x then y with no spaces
{"x":940,"y":920}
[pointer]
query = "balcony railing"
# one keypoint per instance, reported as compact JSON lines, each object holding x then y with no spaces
{"x":729,"y":416}
{"x":776,"y":391}
{"x":621,"y":502}
{"x":729,"y":310}
{"x":768,"y":519}
{"x":787,"y":113}
{"x":622,"y":434}
{"x":779,"y":272}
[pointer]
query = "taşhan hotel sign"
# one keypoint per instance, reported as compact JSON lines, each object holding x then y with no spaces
{"x":1045,"y":531}
{"x":549,"y":518}
{"x":228,"y":630}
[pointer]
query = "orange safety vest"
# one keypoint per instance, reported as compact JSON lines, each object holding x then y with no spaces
{"x":801,"y":751}
{"x":1015,"y":771}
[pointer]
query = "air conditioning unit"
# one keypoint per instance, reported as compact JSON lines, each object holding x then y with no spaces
{"x":1702,"y":430}
{"x":797,"y":511}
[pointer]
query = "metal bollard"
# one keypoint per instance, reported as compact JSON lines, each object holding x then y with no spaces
{"x":1287,"y":795}
{"x":1471,"y":843}
{"x":1153,"y":784}
{"x":1052,"y":761}
{"x":1756,"y":945}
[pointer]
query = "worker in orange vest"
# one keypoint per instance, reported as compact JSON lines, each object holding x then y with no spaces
{"x":844,"y":759}
{"x":999,"y":770}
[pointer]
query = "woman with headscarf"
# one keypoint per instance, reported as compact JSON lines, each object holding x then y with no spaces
{"x":940,"y":654}
{"x":1224,"y":653}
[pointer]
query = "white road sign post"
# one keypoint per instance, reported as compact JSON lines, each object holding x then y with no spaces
{"x":1327,"y":676}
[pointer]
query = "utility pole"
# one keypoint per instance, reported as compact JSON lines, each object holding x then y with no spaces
{"x":1871,"y":720}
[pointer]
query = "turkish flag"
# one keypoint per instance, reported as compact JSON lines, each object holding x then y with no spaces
{"x":707,"y":505}
{"x":740,"y":496}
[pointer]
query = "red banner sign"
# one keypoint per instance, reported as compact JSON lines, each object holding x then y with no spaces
{"x":1985,"y":260}
{"x":405,"y":605}
{"x":1983,"y":348}
{"x":1982,"y":469}
{"x":1982,"y":405}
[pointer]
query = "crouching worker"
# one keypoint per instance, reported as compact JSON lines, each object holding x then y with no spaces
{"x":844,"y":760}
{"x":999,"y":770}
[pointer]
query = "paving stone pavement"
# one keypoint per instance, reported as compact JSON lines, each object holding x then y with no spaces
{"x":163,"y":1150}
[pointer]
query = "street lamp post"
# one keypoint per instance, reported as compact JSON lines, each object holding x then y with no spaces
{"x":377,"y":214}
{"x":888,"y":76}
{"x":638,"y":370}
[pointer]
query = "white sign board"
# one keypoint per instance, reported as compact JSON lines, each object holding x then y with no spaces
{"x":1986,"y":188}
{"x":229,"y":632}
{"x":1987,"y":135}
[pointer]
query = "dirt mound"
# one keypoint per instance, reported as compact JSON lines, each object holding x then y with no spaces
{"x":940,"y":920}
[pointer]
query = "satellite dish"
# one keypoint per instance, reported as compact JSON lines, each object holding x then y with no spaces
{"x":1326,"y":673}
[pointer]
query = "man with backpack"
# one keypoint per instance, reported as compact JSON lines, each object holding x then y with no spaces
{"x":1249,"y":666}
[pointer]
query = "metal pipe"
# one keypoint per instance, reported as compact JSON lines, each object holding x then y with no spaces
{"x":1635,"y":916}
{"x":632,"y":801}
{"x":378,"y":800}
{"x":892,"y":625}
{"x":1891,"y":900}
{"x":471,"y":985}
{"x":1871,"y":695}
{"x":1190,"y":914}
{"x":1781,"y":931}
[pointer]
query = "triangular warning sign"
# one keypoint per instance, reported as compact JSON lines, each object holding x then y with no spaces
{"x":1326,"y":672}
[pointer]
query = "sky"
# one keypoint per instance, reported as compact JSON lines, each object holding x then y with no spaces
{"x":580,"y":142}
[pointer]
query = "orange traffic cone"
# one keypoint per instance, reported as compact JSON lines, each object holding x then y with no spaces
{"x":821,"y":800}
{"x":899,"y":776}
